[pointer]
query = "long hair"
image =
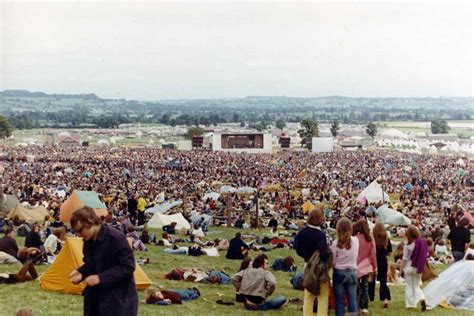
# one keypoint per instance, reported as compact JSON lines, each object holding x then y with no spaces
{"x":380,"y":235}
{"x":412,"y":234}
{"x":344,"y":232}
{"x":362,"y":227}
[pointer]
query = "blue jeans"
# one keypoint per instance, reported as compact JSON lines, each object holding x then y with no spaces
{"x":458,"y":255}
{"x":345,"y":283}
{"x":273,"y":303}
{"x":187,"y":294}
{"x":175,"y":251}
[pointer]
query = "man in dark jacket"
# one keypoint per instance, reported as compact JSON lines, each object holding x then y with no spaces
{"x":460,"y":237}
{"x":309,"y":240}
{"x":8,"y":244}
{"x":236,"y":248}
{"x":108,"y":267}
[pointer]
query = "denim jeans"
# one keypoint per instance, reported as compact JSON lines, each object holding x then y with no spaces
{"x":363,"y":292}
{"x":458,"y":255}
{"x":175,"y":251}
{"x":273,"y":303}
{"x":345,"y":283}
{"x":187,"y":294}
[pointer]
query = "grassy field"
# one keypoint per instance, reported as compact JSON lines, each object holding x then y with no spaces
{"x":42,"y":302}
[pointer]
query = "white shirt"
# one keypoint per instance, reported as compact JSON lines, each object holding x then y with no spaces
{"x":51,"y":244}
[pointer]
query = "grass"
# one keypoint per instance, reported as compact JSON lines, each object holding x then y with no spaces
{"x":42,"y":302}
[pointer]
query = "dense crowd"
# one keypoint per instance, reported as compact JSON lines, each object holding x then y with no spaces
{"x":434,"y":192}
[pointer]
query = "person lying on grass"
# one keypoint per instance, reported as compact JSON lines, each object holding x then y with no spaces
{"x":167,"y":297}
{"x":26,"y":273}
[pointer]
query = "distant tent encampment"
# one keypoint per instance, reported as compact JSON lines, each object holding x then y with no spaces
{"x":79,"y":199}
{"x":159,"y":220}
{"x":56,"y":278}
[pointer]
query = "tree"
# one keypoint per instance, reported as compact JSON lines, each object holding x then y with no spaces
{"x":439,"y":127}
{"x":280,"y":124}
{"x":309,"y":129}
{"x":371,"y":129}
{"x":242,"y":124}
{"x":335,"y":128}
{"x":193,"y":131}
{"x":6,"y":128}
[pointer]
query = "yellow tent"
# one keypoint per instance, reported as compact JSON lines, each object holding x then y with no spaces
{"x":79,"y":199}
{"x":274,"y":187}
{"x":308,"y":206}
{"x":33,"y":214}
{"x":56,"y":278}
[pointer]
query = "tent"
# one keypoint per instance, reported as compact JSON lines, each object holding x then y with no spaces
{"x":159,"y":220}
{"x":80,"y":199}
{"x":56,"y":277}
{"x":245,"y":191}
{"x":9,"y":203}
{"x":211,"y":195}
{"x":389,"y":216}
{"x":33,"y":214}
{"x":373,"y":193}
{"x":163,"y":207}
{"x":453,"y":286}
{"x":226,"y":189}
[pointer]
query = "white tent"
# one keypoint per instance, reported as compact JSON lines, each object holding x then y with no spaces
{"x":211,"y":195}
{"x":159,"y":220}
{"x":373,"y":193}
{"x":103,"y":142}
{"x":392,"y":217}
{"x":225,"y":189}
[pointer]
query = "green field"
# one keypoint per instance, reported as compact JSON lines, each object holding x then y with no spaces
{"x":42,"y":302}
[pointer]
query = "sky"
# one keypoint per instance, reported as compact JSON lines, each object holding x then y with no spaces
{"x":183,"y":50}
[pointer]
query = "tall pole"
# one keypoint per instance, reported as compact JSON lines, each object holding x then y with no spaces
{"x":256,"y":204}
{"x":229,"y":210}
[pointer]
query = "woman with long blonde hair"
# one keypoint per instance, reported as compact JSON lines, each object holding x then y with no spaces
{"x":345,"y":250}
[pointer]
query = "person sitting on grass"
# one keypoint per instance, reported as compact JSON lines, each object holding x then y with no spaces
{"x":171,"y":228}
{"x":168,"y":297}
{"x":286,"y":264}
{"x":256,"y":284}
{"x":237,"y":248}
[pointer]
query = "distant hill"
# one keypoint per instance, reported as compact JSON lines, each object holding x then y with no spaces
{"x":29,"y":109}
{"x":29,"y":94}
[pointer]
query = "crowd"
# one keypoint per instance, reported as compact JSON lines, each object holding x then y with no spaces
{"x":341,"y":236}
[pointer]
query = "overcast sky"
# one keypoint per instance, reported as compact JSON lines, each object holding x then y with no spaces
{"x":156,"y":50}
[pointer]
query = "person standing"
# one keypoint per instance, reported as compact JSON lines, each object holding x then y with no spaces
{"x":309,"y":240}
{"x":141,"y":206}
{"x":108,"y":267}
{"x":345,"y":250}
{"x":415,"y":254}
{"x":132,"y":205}
{"x":366,"y":263}
{"x":383,"y":250}
{"x":460,"y":237}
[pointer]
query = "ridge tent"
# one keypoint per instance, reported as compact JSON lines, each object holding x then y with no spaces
{"x":79,"y":199}
{"x":389,"y":216}
{"x":33,"y":214}
{"x":159,"y":220}
{"x":211,"y":195}
{"x":373,"y":193}
{"x":9,"y":203}
{"x":56,"y":277}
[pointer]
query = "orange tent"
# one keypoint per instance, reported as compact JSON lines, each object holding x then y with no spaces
{"x":56,"y":278}
{"x":80,"y":199}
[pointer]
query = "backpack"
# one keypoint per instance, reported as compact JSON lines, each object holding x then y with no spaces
{"x":195,"y":251}
{"x":315,"y":272}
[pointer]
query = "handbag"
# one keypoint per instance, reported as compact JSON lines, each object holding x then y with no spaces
{"x":428,"y":273}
